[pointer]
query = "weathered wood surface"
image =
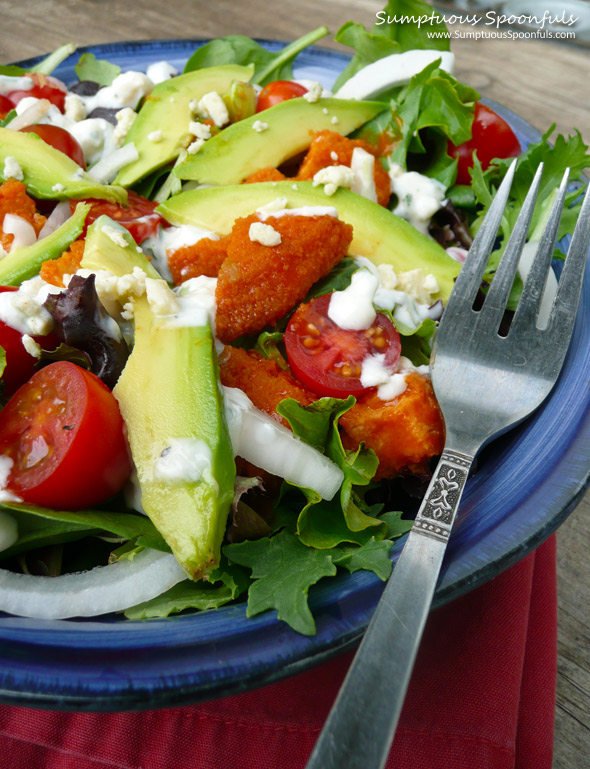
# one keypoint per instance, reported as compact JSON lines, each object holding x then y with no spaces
{"x":543,"y":81}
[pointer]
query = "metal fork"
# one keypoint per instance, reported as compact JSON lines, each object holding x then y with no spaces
{"x":485,"y":383}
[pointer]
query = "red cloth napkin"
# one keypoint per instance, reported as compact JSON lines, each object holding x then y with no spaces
{"x":482,"y":697}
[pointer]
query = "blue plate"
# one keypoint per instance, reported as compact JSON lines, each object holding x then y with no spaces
{"x":529,"y":482}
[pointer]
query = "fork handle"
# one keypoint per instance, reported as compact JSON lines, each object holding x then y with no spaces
{"x":360,"y":727}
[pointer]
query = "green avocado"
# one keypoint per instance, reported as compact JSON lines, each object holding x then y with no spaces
{"x":379,"y":235}
{"x":169,"y":392}
{"x":23,"y":263}
{"x":287,"y":129}
{"x":110,"y":247}
{"x":48,"y":173}
{"x":167,"y":110}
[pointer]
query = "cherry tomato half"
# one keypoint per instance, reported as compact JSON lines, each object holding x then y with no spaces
{"x":64,"y":432}
{"x":138,"y":216}
{"x":491,"y":138}
{"x":275,"y":93}
{"x":5,"y":106}
{"x":59,"y":138}
{"x":44,"y":87}
{"x":327,"y":359}
{"x":20,"y":366}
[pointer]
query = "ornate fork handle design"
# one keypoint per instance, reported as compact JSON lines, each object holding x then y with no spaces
{"x":360,"y":728}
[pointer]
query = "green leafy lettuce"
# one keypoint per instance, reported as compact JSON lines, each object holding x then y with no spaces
{"x":566,"y":152}
{"x":238,"y":49}
{"x":98,"y":70}
{"x":40,"y":527}
{"x":386,"y":38}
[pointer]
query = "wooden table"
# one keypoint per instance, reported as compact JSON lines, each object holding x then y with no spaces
{"x":542,"y":81}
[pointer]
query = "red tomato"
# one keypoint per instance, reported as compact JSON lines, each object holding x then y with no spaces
{"x":138,"y":216}
{"x":64,"y":432}
{"x":44,"y":87}
{"x":491,"y":138}
{"x":327,"y":359}
{"x":59,"y":138}
{"x":275,"y":93}
{"x":20,"y":366}
{"x":5,"y":106}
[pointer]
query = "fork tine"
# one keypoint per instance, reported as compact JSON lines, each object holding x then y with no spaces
{"x":469,"y":279}
{"x":565,"y":306}
{"x":497,"y":296}
{"x":527,"y":312}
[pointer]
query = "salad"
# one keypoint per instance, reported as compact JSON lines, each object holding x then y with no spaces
{"x":219,"y":293}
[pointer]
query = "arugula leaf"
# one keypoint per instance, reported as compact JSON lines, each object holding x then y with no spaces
{"x":322,"y":523}
{"x":397,"y":525}
{"x":2,"y":360}
{"x":433,"y":100}
{"x":185,"y":595}
{"x":417,"y":343}
{"x":38,"y":526}
{"x":98,"y":70}
{"x":267,"y":346}
{"x":283,"y":569}
{"x":570,"y":152}
{"x":238,"y":49}
{"x":226,"y":583}
{"x":372,"y":556}
{"x":387,"y":38}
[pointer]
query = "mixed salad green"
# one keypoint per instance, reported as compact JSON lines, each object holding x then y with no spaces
{"x":116,"y":349}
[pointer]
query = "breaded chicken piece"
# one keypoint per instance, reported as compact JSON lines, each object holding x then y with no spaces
{"x":14,"y":200}
{"x":262,"y":379}
{"x":258,"y":284}
{"x":53,"y":270}
{"x":404,"y":432}
{"x":329,"y":148}
{"x":265,"y":175}
{"x":204,"y":257}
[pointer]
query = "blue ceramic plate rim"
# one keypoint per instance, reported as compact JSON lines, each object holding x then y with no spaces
{"x":531,"y":480}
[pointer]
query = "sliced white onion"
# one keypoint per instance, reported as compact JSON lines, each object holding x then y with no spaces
{"x":108,"y":167}
{"x":267,"y":444}
{"x":59,"y":215}
{"x":396,"y":69}
{"x":30,"y":116}
{"x":102,"y":590}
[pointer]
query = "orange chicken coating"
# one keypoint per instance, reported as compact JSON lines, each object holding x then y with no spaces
{"x":262,"y":379}
{"x":14,"y":200}
{"x":265,"y":175}
{"x":53,"y":270}
{"x":329,"y":148}
{"x":404,"y":432}
{"x":204,"y":257}
{"x":258,"y":284}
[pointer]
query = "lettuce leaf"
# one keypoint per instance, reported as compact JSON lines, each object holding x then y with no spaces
{"x":322,"y":523}
{"x":98,"y":70}
{"x":39,"y":526}
{"x":283,"y":570}
{"x":238,"y":49}
{"x":566,"y":152}
{"x":386,"y":38}
{"x":226,"y":584}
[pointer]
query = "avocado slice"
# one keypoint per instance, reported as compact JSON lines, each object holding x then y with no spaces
{"x":23,"y":263}
{"x":379,"y":235}
{"x":49,"y":173}
{"x":167,"y":109}
{"x":101,"y":252}
{"x":169,"y":392}
{"x":241,"y":149}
